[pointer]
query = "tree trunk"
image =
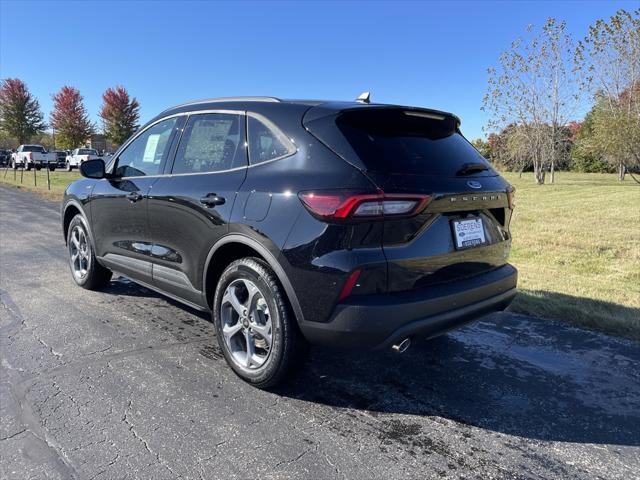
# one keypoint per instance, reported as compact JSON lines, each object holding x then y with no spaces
{"x":621,"y":172}
{"x":538,"y":173}
{"x":552,"y":171}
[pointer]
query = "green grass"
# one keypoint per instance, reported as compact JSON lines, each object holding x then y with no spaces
{"x":59,"y":181}
{"x":576,"y":244}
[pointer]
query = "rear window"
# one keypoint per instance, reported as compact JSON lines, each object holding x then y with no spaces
{"x":87,"y":151}
{"x":33,"y":148}
{"x":408,"y":142}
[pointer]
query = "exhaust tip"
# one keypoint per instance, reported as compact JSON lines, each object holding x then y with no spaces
{"x":401,"y":346}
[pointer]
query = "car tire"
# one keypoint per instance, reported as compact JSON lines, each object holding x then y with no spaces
{"x":67,"y":167}
{"x":267,"y":321}
{"x":38,"y":167}
{"x":52,"y":168}
{"x":27,"y":166}
{"x":85,"y":269}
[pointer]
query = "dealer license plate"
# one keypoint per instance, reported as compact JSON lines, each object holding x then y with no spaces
{"x":468,"y":233}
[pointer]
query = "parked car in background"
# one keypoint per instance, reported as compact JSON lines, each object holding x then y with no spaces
{"x":32,"y":156}
{"x":80,"y":155}
{"x":344,"y":224}
{"x":61,"y":158}
{"x":5,"y":157}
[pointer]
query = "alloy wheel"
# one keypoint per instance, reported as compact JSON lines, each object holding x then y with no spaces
{"x":79,"y":252}
{"x":246,"y":324}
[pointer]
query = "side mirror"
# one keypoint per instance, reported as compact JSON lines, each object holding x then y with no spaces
{"x":93,"y":169}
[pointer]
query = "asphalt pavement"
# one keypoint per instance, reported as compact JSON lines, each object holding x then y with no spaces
{"x":125,"y":383}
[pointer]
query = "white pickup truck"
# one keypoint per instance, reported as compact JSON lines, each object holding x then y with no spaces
{"x":27,"y":156}
{"x":80,"y":155}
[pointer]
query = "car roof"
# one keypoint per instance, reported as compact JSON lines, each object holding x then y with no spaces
{"x":272,"y":106}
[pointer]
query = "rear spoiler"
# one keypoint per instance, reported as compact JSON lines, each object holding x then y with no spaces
{"x":334,"y":108}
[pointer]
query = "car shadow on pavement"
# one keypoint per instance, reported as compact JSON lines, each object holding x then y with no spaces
{"x":508,"y":373}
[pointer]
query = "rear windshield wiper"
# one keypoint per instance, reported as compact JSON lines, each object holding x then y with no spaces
{"x":469,"y":168}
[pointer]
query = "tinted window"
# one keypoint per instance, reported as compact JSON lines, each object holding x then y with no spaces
{"x":266,"y":142}
{"x":33,"y":148}
{"x":211,"y":142}
{"x":415,"y":143}
{"x":87,"y":151}
{"x":144,"y":155}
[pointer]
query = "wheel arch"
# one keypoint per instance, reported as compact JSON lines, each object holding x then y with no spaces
{"x":234,"y":246}
{"x":71,"y":209}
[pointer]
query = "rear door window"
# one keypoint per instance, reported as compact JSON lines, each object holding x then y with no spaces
{"x":399,"y":141}
{"x":211,"y":142}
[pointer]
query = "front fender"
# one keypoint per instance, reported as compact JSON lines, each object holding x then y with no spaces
{"x":78,"y":196}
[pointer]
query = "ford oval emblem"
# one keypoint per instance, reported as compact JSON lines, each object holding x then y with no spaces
{"x":473,"y":184}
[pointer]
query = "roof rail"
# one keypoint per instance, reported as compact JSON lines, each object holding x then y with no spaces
{"x":227,"y":99}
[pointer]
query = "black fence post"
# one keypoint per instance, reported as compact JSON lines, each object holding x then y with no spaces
{"x":35,"y":180}
{"x":48,"y":180}
{"x":21,"y":173}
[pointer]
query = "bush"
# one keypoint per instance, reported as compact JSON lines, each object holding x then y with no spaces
{"x":585,"y":162}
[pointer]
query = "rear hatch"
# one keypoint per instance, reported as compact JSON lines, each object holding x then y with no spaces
{"x":464,"y":229}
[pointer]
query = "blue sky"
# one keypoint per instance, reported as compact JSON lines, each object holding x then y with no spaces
{"x":432,"y":54}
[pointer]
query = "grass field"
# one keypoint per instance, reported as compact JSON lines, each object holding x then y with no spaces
{"x":576,"y":244}
{"x":59,"y":181}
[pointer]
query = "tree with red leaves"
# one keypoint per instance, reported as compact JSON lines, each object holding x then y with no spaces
{"x":20,"y":114}
{"x":70,"y":119}
{"x":574,"y":127}
{"x":120,"y":114}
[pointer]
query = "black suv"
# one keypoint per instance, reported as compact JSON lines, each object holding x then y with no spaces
{"x":345,"y":224}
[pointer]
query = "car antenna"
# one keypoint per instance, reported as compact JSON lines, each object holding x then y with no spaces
{"x":365,"y":97}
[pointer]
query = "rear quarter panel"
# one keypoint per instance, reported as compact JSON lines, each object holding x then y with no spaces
{"x":316,"y":256}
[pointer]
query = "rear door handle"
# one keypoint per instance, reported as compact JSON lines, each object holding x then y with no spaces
{"x":134,"y":197}
{"x":212,"y":199}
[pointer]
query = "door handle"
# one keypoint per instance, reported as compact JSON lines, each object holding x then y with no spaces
{"x":134,"y":197}
{"x":212,"y":199}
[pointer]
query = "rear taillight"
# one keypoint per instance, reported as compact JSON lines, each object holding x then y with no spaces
{"x":29,"y":155}
{"x":340,"y":205}
{"x":511,"y":197}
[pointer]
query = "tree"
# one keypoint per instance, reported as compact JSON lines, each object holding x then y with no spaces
{"x":535,"y":88}
{"x":610,"y":54}
{"x":20,"y":114}
{"x":70,"y":119}
{"x":483,"y":147}
{"x":511,"y":148}
{"x":7,"y":141}
{"x":45,"y":139}
{"x":119,"y":114}
{"x":616,"y":133}
{"x":586,"y":154}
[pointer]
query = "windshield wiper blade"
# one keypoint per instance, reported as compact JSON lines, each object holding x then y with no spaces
{"x":468,"y":168}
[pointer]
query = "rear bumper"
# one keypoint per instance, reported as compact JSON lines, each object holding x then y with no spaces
{"x":378,"y":321}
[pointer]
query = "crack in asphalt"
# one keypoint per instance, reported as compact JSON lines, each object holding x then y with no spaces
{"x":137,"y":436}
{"x":13,"y":435}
